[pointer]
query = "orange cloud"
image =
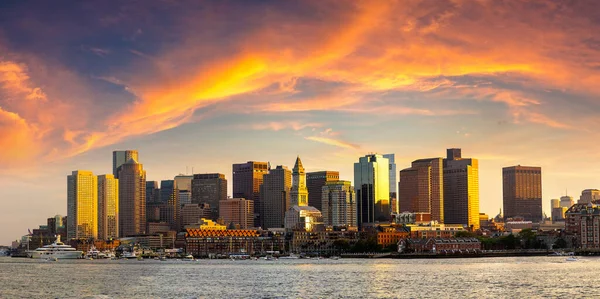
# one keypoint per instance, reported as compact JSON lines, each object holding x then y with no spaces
{"x":368,"y":48}
{"x":334,"y":142}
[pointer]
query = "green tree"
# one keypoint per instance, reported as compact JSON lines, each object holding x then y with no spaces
{"x":527,"y":238}
{"x":560,"y":243}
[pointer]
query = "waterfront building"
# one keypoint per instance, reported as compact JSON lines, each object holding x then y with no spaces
{"x":209,"y":188}
{"x":339,"y":204}
{"x":589,"y":224}
{"x":461,"y":189}
{"x":170,"y":208}
{"x":247,"y":179}
{"x":522,"y":192}
{"x":589,"y":196}
{"x":434,"y":230}
{"x":566,"y":201}
{"x":108,"y":207}
{"x":275,"y":197}
{"x":82,"y":205}
{"x":232,"y":242}
{"x":439,"y":245}
{"x":304,"y":218}
{"x":393,"y":183}
{"x":372,"y":188}
{"x":391,"y":236}
{"x":132,"y":198}
{"x":120,"y":157}
{"x":421,"y":188}
{"x":314,"y":184}
{"x":239,"y":211}
{"x":325,"y":242}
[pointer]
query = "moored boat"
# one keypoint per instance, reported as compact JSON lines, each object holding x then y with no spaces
{"x":58,"y":250}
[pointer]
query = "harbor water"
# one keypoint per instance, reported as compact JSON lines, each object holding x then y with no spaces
{"x":519,"y":277}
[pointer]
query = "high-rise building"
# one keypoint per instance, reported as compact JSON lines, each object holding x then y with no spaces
{"x":372,"y":187}
{"x":120,"y":157}
{"x":298,"y":192}
{"x":82,"y":205}
{"x":132,"y":199}
{"x":239,"y":211}
{"x":170,"y":208}
{"x":554,"y":203}
{"x":152,"y":201}
{"x":209,"y":188}
{"x":461,"y":189}
{"x":522,"y":192}
{"x":184,"y":184}
{"x":247,"y":178}
{"x":393,"y":182}
{"x":421,"y":188}
{"x":314,"y":184}
{"x":275,"y":197}
{"x":589,"y":195}
{"x":339,"y":204}
{"x":152,"y":191}
{"x":566,"y":201}
{"x":108,"y":207}
{"x":192,"y":213}
{"x":185,"y":197}
{"x":304,"y":218}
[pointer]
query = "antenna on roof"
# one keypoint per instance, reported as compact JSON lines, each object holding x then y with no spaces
{"x":186,"y":170}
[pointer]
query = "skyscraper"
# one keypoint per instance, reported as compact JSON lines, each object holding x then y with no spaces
{"x":120,"y":157}
{"x":554,"y":203}
{"x":184,"y":184}
{"x":566,"y":201}
{"x":132,"y":199}
{"x":247,"y":178}
{"x":170,"y":209}
{"x":393,"y":182}
{"x":372,"y":187}
{"x":108,"y":207}
{"x":339,"y":204}
{"x":314,"y":184}
{"x":239,"y":211}
{"x":421,"y":188}
{"x":298,"y":192}
{"x":589,"y":195}
{"x":209,"y":188}
{"x":152,"y":201}
{"x":522,"y":192}
{"x":82,"y":205}
{"x":461,"y":189}
{"x":275,"y":197}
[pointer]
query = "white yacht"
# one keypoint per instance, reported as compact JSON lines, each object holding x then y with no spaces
{"x":56,"y":250}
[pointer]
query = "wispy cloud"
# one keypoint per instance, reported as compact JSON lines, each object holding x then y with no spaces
{"x":332,"y":141}
{"x":277,"y":126}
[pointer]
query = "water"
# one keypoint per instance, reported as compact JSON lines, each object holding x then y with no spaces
{"x":521,"y":277}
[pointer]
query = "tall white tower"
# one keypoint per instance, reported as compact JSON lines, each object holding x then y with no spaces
{"x":298,"y":193}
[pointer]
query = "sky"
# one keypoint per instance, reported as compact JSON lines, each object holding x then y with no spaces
{"x":205,"y":84}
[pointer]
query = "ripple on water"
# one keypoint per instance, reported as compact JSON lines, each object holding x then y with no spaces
{"x":347,"y":278}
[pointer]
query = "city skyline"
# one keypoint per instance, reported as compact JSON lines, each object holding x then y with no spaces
{"x":510,"y":87}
